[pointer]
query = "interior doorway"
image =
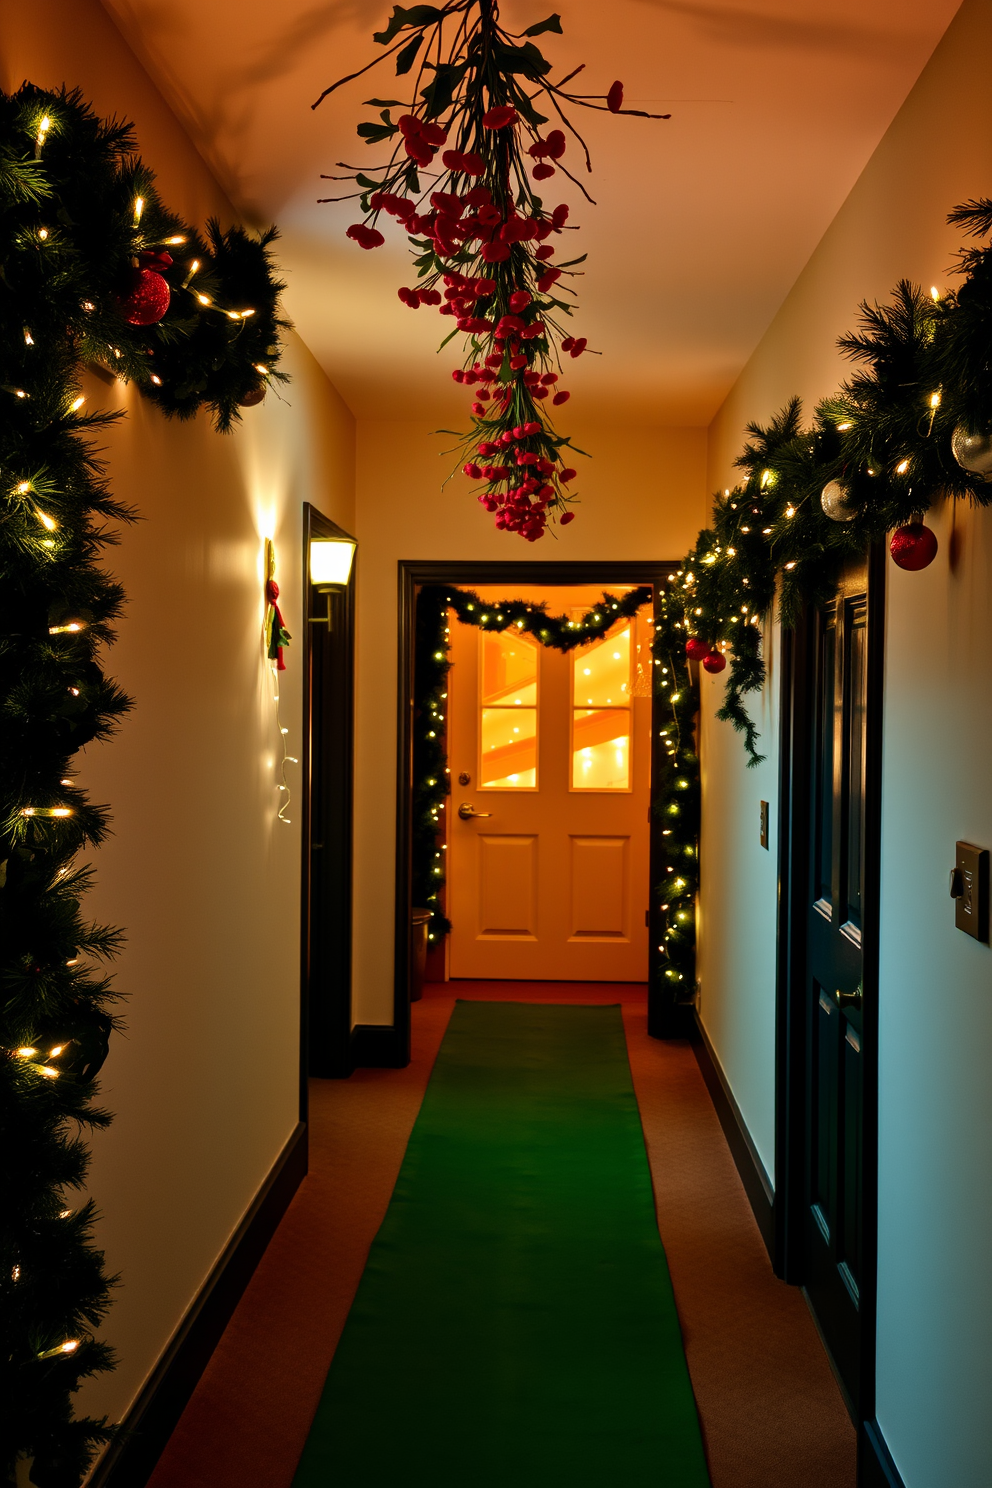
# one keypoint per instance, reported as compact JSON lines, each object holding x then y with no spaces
{"x":826,"y":1204}
{"x":548,"y":823}
{"x":392,"y":1043}
{"x":328,"y":775}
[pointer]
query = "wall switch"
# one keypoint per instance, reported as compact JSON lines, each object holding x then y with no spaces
{"x":970,"y":890}
{"x":764,"y":823}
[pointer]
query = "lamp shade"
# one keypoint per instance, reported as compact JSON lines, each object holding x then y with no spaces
{"x":331,"y":560}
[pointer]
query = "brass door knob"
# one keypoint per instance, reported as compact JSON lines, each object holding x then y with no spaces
{"x":848,"y":999}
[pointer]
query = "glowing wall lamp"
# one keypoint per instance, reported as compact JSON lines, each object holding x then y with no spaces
{"x":330,"y":569}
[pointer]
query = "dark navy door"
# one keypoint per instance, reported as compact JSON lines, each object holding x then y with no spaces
{"x":834,"y":982}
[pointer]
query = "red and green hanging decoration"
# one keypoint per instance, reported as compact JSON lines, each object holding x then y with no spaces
{"x":94,"y":270}
{"x":470,"y":152}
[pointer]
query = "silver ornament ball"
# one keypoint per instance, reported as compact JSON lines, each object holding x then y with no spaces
{"x":835,"y":502}
{"x":973,"y":452}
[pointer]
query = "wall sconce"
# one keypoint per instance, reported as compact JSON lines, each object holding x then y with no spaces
{"x":331,"y":560}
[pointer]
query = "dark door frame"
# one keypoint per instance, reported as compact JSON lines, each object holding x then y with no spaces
{"x":792,"y":1009}
{"x":389,"y":1045}
{"x":327,"y":813}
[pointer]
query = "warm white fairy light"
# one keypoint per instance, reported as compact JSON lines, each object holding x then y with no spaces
{"x":76,"y":404}
{"x":139,"y":207}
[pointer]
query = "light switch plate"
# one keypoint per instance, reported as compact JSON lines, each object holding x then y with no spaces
{"x":971,"y":905}
{"x":764,"y":823}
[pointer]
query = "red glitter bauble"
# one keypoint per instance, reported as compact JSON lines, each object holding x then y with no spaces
{"x":715,"y":661}
{"x":696,"y":649}
{"x":147,"y":299}
{"x":251,"y":397}
{"x":913,"y":546}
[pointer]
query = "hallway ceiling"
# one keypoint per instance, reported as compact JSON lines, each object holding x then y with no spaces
{"x":702,"y":223}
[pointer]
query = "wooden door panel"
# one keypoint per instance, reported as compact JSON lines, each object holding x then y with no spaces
{"x":599,"y":888}
{"x":544,"y":881}
{"x":508,"y":883}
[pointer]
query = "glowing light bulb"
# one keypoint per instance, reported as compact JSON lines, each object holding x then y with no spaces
{"x":49,"y":523}
{"x":935,"y":400}
{"x":174,"y":241}
{"x":76,"y":404}
{"x":43,"y":233}
{"x":902,"y":467}
{"x":139,"y":207}
{"x":26,"y":1053}
{"x":43,"y":129}
{"x":204,"y":299}
{"x":934,"y":293}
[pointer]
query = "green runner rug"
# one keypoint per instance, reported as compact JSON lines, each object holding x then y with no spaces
{"x":515,"y":1322}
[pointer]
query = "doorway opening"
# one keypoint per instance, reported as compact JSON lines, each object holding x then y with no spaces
{"x":546,"y":581}
{"x":328,"y":775}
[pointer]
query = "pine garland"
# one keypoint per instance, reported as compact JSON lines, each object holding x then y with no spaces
{"x":481,"y":235}
{"x":922,"y":382}
{"x":80,"y":215}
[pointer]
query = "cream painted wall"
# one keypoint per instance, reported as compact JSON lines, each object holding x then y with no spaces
{"x":200,"y":872}
{"x":935,"y":1145}
{"x":643,"y":497}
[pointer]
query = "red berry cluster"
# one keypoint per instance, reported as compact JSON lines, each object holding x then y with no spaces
{"x":484,"y":259}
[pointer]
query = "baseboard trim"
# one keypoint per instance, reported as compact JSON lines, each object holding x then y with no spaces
{"x":131,"y":1458}
{"x":757,"y":1185}
{"x":876,"y":1469}
{"x":376,"y":1046}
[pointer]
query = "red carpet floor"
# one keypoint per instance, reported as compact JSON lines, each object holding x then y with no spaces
{"x":772,"y":1415}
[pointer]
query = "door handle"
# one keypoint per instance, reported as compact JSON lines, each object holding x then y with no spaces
{"x":467,"y":811}
{"x":848,"y":999}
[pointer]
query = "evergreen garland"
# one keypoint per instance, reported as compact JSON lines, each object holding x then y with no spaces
{"x":80,"y":217}
{"x":921,"y":386}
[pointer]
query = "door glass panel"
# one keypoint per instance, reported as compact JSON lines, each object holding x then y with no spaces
{"x":601,"y":749}
{"x":508,"y":674}
{"x":509,"y":670}
{"x":601,"y":717}
{"x":855,"y":792}
{"x":602,"y":672}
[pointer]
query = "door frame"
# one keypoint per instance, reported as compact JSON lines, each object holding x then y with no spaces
{"x":327,"y":816}
{"x":392,"y":1047}
{"x":792,"y":1012}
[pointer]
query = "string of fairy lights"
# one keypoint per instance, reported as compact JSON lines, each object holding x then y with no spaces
{"x":89,"y":278}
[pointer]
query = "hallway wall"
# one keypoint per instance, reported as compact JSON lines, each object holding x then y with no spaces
{"x":935,"y":1150}
{"x":199,"y":871}
{"x":645,"y":498}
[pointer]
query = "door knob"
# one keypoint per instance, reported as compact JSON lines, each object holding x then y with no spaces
{"x":467,"y":811}
{"x":848,"y":999}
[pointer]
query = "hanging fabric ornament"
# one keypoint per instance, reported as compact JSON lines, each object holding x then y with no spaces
{"x":913,"y":547}
{"x":973,"y":452}
{"x":276,"y":635}
{"x":714,"y":661}
{"x":697,"y":650}
{"x":835,"y":500}
{"x":147,"y":296}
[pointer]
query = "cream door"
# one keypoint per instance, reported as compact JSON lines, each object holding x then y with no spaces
{"x":548,"y":880}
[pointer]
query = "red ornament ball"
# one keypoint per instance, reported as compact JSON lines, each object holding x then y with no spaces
{"x":147,"y":299}
{"x":913,"y":546}
{"x":696,"y":649}
{"x":715,"y":661}
{"x":251,"y":398}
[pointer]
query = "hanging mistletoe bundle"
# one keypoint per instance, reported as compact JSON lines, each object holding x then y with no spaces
{"x":467,"y":153}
